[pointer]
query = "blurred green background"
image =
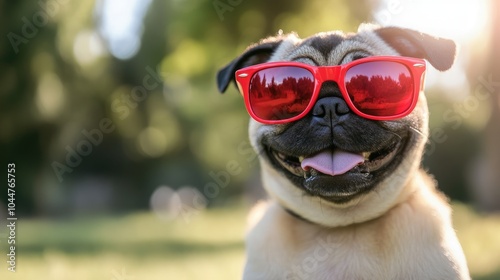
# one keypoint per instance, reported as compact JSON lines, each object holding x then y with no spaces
{"x":130,"y":164}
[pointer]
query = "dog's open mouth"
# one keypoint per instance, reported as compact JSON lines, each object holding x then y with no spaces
{"x":334,"y":174}
{"x":341,"y":162}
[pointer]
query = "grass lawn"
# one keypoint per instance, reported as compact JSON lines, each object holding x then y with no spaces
{"x":208,"y":245}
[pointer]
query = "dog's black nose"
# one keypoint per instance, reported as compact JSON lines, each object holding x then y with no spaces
{"x":328,"y":109}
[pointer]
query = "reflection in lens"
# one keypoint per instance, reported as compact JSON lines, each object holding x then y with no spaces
{"x":280,"y":93}
{"x":380,"y":88}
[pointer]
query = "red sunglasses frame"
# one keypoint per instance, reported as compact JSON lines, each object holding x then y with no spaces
{"x":337,"y":74}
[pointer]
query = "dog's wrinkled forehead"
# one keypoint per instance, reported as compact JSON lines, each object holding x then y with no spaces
{"x":331,"y":48}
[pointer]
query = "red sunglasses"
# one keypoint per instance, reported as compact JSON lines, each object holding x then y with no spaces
{"x":376,"y":88}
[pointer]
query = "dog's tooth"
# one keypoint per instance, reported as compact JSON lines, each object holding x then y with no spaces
{"x":366,"y":155}
{"x":301,"y":158}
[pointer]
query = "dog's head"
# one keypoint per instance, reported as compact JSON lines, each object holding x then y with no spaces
{"x":374,"y":160}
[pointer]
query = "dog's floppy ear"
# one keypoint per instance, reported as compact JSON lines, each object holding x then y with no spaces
{"x":438,"y":51}
{"x":254,"y":54}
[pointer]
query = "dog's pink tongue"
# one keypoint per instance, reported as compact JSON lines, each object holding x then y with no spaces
{"x":333,"y":163}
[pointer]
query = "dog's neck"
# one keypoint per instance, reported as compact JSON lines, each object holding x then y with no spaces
{"x":295,"y":215}
{"x":421,"y":179}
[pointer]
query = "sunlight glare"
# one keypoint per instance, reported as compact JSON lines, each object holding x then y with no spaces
{"x":121,"y":24}
{"x":461,"y":20}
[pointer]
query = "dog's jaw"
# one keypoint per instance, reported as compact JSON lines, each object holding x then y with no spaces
{"x":367,"y":206}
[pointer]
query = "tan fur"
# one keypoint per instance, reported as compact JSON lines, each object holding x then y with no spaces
{"x":402,"y":230}
{"x":407,"y":242}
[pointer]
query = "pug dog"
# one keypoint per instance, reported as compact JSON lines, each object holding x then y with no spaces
{"x":340,"y":122}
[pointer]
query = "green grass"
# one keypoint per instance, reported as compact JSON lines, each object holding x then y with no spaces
{"x":480,"y":239}
{"x":208,"y":245}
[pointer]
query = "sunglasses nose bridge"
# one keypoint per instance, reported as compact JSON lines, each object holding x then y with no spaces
{"x":328,"y":73}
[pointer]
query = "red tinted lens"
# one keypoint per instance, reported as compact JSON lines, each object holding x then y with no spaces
{"x":280,"y":93}
{"x":380,"y":88}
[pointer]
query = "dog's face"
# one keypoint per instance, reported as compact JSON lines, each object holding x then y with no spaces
{"x":378,"y":158}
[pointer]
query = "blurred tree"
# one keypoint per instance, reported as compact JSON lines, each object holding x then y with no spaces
{"x":46,"y":98}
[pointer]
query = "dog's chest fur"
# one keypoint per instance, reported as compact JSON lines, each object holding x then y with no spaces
{"x":402,"y":244}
